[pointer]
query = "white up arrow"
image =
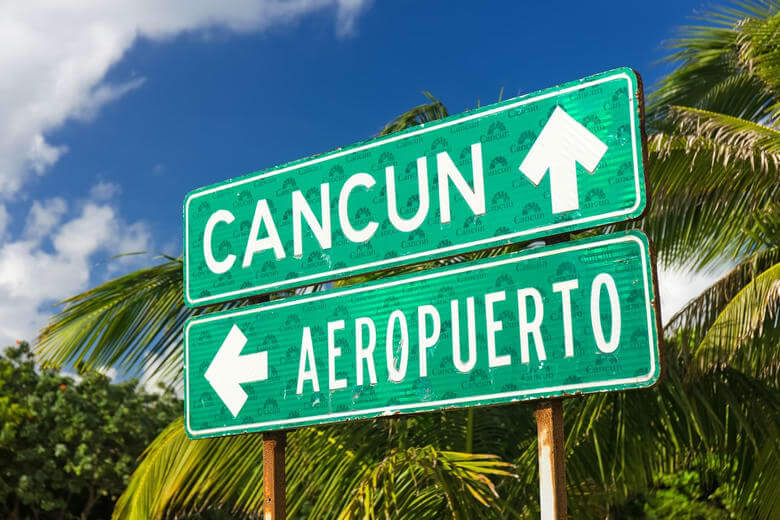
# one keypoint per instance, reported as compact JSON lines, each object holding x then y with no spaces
{"x":562,"y":144}
{"x":230,"y":369}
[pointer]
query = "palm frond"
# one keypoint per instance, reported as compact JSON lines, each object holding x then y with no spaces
{"x":129,"y":322}
{"x":734,"y":322}
{"x":416,"y":482}
{"x":133,"y":323}
{"x":329,"y":469}
{"x":178,"y":476}
{"x":765,"y":230}
{"x":417,"y":115}
{"x":731,"y":140}
{"x":711,"y":178}
{"x":759,"y":53}
{"x":745,"y":334}
{"x":725,"y":64}
{"x":618,"y":443}
{"x":761,"y":499}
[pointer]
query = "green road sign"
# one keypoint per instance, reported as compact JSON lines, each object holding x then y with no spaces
{"x":573,"y":317}
{"x":560,"y":160}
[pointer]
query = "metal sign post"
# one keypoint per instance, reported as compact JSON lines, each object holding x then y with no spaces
{"x":552,"y":459}
{"x":274,"y":502}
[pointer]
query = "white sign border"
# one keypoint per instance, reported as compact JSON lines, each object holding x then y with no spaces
{"x":335,"y":273}
{"x":389,"y":410}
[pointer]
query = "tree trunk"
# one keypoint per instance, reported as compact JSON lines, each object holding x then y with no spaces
{"x":65,"y":509}
{"x":470,"y":431}
{"x":89,"y":505}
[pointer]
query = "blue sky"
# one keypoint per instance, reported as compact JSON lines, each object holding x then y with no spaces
{"x":112,"y":113}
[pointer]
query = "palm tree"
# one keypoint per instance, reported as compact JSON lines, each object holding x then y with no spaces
{"x":716,"y":147}
{"x":714,"y":166}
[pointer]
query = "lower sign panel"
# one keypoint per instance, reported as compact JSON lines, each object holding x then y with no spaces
{"x":577,"y":317}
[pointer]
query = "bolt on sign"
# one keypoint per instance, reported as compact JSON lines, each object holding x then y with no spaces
{"x":560,"y":160}
{"x":550,"y":321}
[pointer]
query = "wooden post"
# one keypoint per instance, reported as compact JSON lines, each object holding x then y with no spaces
{"x":273,"y":475}
{"x":552,"y":458}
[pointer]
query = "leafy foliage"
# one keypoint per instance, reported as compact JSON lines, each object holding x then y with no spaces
{"x":686,"y":495}
{"x":68,"y":447}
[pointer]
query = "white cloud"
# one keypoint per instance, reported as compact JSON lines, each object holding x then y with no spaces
{"x":40,"y":156}
{"x":103,"y":191}
{"x":679,"y":286}
{"x":154,"y":381}
{"x":44,"y":216}
{"x":109,"y":372}
{"x":102,"y":95}
{"x":54,"y":56}
{"x":347,"y":14}
{"x":54,"y":258}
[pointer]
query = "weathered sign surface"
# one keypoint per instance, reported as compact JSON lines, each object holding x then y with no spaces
{"x":573,"y":317}
{"x":560,"y":160}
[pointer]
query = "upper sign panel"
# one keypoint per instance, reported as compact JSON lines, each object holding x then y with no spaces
{"x":564,"y":159}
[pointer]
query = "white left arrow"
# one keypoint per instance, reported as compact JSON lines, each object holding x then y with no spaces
{"x":229,"y":370}
{"x":562,"y":143}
